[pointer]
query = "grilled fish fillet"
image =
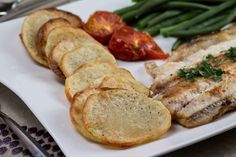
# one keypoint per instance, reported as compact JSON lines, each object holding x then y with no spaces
{"x":199,"y":102}
{"x":196,"y":103}
{"x":166,"y":74}
{"x":180,"y":91}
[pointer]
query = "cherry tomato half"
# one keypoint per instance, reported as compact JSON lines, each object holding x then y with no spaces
{"x":130,"y":45}
{"x":102,"y":24}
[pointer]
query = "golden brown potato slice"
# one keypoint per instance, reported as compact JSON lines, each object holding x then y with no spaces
{"x":115,"y":81}
{"x":77,"y":106}
{"x":70,"y":62}
{"x":57,"y":53}
{"x":42,"y":35}
{"x":33,"y":23}
{"x":58,"y":34}
{"x":88,"y":76}
{"x":125,"y":118}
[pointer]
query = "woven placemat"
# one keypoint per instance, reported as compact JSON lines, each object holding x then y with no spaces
{"x":10,"y":145}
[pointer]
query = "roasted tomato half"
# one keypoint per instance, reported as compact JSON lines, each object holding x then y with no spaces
{"x":102,"y":24}
{"x":130,"y":45}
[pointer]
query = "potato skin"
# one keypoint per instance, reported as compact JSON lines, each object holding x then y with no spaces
{"x":34,"y":22}
{"x":102,"y":24}
{"x":129,"y":45}
{"x":41,"y":38}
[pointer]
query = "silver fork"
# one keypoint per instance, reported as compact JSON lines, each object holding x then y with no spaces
{"x":33,"y":146}
{"x":6,"y":6}
{"x":18,"y":11}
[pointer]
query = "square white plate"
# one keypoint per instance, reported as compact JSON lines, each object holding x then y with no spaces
{"x":40,"y":89}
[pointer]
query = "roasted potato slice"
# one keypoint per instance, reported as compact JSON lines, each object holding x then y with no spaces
{"x":88,"y":76}
{"x":76,"y":109}
{"x":125,"y":118}
{"x":114,"y":81}
{"x":33,"y":23}
{"x":59,"y":34}
{"x":70,"y":62}
{"x":42,"y":35}
{"x":81,"y":43}
{"x":57,"y":53}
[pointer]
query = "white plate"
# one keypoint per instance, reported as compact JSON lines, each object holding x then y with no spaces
{"x":40,"y":89}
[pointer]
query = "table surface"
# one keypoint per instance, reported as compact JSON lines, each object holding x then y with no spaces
{"x":219,"y":146}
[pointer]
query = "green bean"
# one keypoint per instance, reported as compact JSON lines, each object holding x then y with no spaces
{"x":200,"y":31}
{"x":163,"y":16}
{"x":209,"y":22}
{"x":128,"y":17}
{"x":150,"y":4}
{"x":188,"y":5}
{"x":177,"y":43}
{"x":129,"y":8}
{"x":204,"y":16}
{"x":142,"y":23}
{"x":156,"y":29}
{"x":146,"y":7}
{"x":137,"y":0}
{"x":203,"y":25}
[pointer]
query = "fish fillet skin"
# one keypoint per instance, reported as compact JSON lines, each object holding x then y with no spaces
{"x":221,"y":91}
{"x":202,"y":42}
{"x":175,"y":97}
{"x":166,"y":74}
{"x":210,"y":113}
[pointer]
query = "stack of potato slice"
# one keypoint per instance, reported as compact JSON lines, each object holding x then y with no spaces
{"x":107,"y":104}
{"x":37,"y":26}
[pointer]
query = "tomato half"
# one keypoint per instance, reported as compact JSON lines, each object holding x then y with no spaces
{"x":130,"y":45}
{"x":102,"y":24}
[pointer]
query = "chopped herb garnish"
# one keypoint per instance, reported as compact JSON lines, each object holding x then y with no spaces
{"x":205,"y":70}
{"x":213,"y":60}
{"x":209,"y":57}
{"x":209,"y":68}
{"x":231,"y":54}
{"x":189,"y":74}
{"x":217,"y":74}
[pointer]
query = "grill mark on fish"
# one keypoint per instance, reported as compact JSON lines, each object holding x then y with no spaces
{"x":210,"y":112}
{"x":219,"y":92}
{"x":175,"y":97}
{"x":158,"y":88}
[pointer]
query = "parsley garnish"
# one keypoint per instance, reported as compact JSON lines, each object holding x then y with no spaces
{"x":231,"y":54}
{"x":209,"y":68}
{"x":205,"y":70}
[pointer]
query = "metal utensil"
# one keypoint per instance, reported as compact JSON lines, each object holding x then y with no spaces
{"x":6,"y":6}
{"x":25,"y":137}
{"x":16,"y":12}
